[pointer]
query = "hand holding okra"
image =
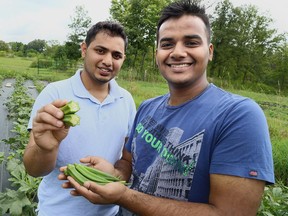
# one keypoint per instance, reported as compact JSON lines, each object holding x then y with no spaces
{"x":48,"y":125}
{"x":69,"y":110}
{"x":99,"y":186}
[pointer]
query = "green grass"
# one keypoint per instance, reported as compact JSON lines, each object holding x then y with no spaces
{"x":13,"y":66}
{"x":143,"y":90}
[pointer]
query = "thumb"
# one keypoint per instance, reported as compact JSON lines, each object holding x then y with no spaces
{"x":91,"y":159}
{"x":92,"y":186}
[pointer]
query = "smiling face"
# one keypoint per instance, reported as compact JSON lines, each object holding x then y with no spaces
{"x":103,"y":58}
{"x":183,"y":51}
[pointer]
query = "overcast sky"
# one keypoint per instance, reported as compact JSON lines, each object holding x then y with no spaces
{"x":27,"y":20}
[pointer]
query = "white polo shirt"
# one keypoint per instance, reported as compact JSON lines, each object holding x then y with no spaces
{"x":102,"y":131}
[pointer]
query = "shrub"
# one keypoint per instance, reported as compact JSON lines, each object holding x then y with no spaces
{"x":42,"y":63}
{"x":275,"y":201}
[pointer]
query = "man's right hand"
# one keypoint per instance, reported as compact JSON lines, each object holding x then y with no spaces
{"x":48,"y":128}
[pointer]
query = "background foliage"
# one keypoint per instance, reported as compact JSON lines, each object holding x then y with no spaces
{"x":248,"y":52}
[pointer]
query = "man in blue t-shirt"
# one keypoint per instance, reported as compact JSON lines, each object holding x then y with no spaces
{"x":197,"y":150}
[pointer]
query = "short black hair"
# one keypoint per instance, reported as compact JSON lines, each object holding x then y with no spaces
{"x":184,"y":7}
{"x":111,"y":28}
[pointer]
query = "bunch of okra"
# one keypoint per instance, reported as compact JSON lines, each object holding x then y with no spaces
{"x":82,"y":173}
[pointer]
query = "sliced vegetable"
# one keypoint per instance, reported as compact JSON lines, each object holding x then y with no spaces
{"x":70,"y":108}
{"x":71,"y":120}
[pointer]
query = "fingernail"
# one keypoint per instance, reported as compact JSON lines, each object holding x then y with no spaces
{"x":59,"y":124}
{"x":59,"y":114}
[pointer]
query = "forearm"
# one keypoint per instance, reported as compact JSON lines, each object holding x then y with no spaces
{"x":39,"y":162}
{"x":123,"y":169}
{"x":147,"y":205}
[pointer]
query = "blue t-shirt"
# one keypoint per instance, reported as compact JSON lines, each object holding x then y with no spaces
{"x":102,"y":132}
{"x":175,"y":148}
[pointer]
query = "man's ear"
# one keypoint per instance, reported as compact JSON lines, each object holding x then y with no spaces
{"x":83,"y":47}
{"x":211,"y":51}
{"x":156,"y":58}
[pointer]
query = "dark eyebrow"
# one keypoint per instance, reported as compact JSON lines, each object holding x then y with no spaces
{"x":104,"y":48}
{"x":165,"y":39}
{"x":100,"y":47}
{"x":194,"y":36}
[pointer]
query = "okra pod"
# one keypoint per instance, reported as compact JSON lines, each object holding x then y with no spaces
{"x":69,"y":110}
{"x":90,"y":175}
{"x":82,"y":173}
{"x":101,"y":173}
{"x":71,"y":120}
{"x":70,"y":107}
{"x":73,"y":172}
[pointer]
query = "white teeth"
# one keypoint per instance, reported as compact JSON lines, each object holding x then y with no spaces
{"x":180,"y":66}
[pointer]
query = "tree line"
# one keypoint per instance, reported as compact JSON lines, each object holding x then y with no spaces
{"x":248,"y":52}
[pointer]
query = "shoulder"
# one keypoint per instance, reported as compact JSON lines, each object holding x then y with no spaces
{"x":231,"y":101}
{"x":117,"y":90}
{"x":154,"y":102}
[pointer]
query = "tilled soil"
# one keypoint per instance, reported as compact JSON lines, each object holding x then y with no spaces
{"x":6,"y":91}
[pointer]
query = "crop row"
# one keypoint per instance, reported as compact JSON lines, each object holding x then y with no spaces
{"x":21,"y":197}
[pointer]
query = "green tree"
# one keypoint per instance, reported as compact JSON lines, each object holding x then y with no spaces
{"x":79,"y":26}
{"x":37,"y":45}
{"x":51,"y":47}
{"x":139,"y":19}
{"x":3,"y":46}
{"x":243,"y":41}
{"x":60,"y":58}
{"x":278,"y":75}
{"x":16,"y":46}
{"x":73,"y":53}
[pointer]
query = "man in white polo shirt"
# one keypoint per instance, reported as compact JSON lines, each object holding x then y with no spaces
{"x":106,"y":116}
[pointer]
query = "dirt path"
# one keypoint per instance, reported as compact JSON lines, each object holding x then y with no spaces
{"x":6,"y":91}
{"x":5,"y":127}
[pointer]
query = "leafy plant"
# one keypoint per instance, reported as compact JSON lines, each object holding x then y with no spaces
{"x":275,"y":201}
{"x":21,"y":198}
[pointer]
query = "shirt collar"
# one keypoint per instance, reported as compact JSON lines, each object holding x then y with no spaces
{"x":80,"y":90}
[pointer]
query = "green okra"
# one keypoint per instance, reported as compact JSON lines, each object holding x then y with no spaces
{"x":70,"y":108}
{"x":99,"y":173}
{"x":73,"y":172}
{"x":95,"y":175}
{"x":71,"y":120}
{"x":91,"y":176}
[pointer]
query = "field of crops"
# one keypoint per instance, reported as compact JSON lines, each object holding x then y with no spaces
{"x":18,"y":194}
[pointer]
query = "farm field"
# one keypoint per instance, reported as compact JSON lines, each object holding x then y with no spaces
{"x":275,"y":108}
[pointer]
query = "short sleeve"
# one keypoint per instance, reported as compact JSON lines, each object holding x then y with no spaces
{"x":243,"y":146}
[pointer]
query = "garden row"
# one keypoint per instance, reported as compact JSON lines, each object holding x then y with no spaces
{"x":21,"y":197}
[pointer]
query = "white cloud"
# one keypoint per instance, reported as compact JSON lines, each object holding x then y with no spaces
{"x":26,"y":20}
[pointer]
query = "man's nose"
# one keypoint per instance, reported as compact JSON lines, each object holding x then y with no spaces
{"x":179,"y":51}
{"x":107,"y":59}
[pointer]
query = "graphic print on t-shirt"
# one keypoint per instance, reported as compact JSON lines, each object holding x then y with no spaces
{"x":170,"y":171}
